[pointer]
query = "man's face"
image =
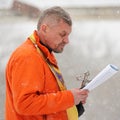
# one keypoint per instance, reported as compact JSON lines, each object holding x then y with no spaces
{"x":56,"y":36}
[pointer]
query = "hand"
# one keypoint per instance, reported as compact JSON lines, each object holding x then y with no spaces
{"x":79,"y":95}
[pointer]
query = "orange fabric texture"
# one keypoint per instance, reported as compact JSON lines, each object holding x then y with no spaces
{"x":32,"y":92}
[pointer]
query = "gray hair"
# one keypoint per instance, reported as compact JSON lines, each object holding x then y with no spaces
{"x":54,"y":14}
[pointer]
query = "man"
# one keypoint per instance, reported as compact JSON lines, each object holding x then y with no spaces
{"x":35,"y":89}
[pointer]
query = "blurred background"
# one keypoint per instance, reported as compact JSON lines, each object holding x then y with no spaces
{"x":94,"y":43}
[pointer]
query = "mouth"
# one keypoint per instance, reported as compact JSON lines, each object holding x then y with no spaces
{"x":63,"y":45}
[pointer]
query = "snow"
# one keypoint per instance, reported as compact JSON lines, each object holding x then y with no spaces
{"x":5,"y":4}
{"x":93,"y":45}
{"x":103,"y":38}
{"x":42,"y":4}
{"x":72,"y":3}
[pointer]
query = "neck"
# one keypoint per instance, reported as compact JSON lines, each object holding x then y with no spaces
{"x":41,"y":41}
{"x":50,"y":50}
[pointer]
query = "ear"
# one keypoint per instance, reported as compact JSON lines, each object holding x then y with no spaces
{"x":44,"y":28}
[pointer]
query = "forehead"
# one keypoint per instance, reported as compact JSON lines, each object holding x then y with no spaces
{"x":62,"y":26}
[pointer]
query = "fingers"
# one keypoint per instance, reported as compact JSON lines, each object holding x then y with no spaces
{"x":79,"y":95}
{"x":84,"y":91}
{"x":83,"y":102}
{"x":84,"y":95}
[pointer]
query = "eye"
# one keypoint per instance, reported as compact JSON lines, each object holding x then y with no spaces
{"x":63,"y":34}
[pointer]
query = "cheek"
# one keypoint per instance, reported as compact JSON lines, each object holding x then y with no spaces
{"x":53,"y":39}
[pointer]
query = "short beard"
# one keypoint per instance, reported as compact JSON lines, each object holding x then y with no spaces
{"x":56,"y":51}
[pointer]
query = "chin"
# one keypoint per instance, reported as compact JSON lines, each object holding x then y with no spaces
{"x":58,"y":51}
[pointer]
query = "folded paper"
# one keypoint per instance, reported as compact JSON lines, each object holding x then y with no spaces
{"x":104,"y":75}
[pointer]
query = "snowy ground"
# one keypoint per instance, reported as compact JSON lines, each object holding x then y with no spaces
{"x":93,"y":45}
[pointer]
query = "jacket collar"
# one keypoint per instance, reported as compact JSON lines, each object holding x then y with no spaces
{"x":49,"y":55}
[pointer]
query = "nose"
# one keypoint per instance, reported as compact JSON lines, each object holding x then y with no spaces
{"x":66,"y":40}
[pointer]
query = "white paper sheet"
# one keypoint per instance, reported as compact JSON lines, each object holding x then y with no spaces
{"x":104,"y":75}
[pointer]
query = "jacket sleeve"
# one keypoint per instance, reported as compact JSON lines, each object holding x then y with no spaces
{"x":27,"y":89}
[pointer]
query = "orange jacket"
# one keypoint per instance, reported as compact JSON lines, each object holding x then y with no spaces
{"x":32,"y":92}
